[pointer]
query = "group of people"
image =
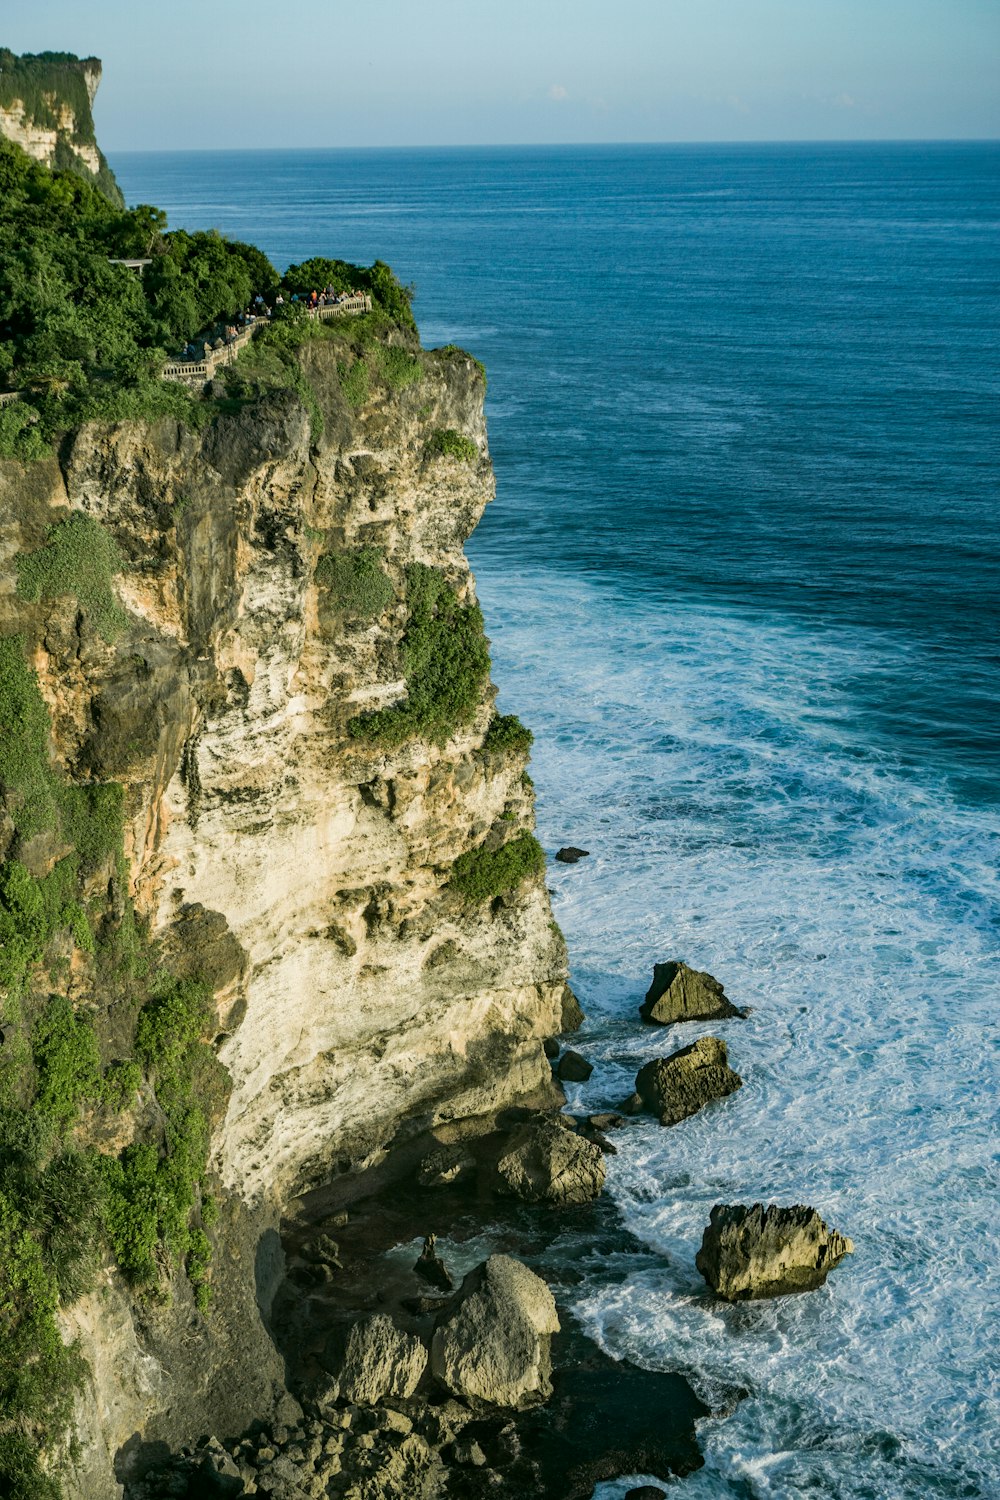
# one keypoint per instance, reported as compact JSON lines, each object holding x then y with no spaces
{"x":259,"y":309}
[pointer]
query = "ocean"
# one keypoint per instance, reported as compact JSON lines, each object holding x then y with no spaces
{"x":742,"y":579}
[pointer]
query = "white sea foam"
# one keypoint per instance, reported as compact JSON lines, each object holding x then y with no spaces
{"x":736,"y":817}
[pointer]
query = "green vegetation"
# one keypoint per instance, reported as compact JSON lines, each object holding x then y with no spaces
{"x":355,"y":382}
{"x":445,"y":660}
{"x":445,"y":441}
{"x":60,"y":1203}
{"x":452,"y":351}
{"x":85,"y":340}
{"x":79,"y":557}
{"x":483,"y":874}
{"x":507,"y":734}
{"x":357,"y":582}
{"x":45,"y":82}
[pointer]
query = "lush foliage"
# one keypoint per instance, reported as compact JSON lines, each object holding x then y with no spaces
{"x":447,"y":442}
{"x":81,"y":558}
{"x":445,"y":660}
{"x":357,"y":582}
{"x":84,"y":339}
{"x":483,"y":874}
{"x":507,"y":734}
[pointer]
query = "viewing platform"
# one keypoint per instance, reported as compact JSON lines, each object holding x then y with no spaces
{"x":197,"y":371}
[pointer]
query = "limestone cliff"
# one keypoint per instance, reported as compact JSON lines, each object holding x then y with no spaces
{"x":45,"y":107}
{"x":304,"y":870}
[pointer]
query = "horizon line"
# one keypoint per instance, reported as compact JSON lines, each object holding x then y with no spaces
{"x":907,"y":140}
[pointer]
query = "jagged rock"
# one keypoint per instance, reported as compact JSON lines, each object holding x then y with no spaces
{"x":444,"y":1166}
{"x":573,"y":1067}
{"x":431,"y":1267}
{"x":468,"y":1452}
{"x":552,"y":1048}
{"x":758,"y":1252}
{"x":380,"y":1360}
{"x":646,"y":1492}
{"x":633,"y":1105}
{"x":494,"y":1349}
{"x":682,"y":994}
{"x":677,"y":1086}
{"x":607,"y":1120}
{"x":570,"y":855}
{"x":572,"y":1017}
{"x":547,"y":1163}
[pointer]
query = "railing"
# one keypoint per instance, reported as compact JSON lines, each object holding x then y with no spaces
{"x":7,"y":397}
{"x":200,"y":370}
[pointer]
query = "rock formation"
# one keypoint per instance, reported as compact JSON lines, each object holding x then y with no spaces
{"x":45,"y":108}
{"x":380,"y":1360}
{"x":306,"y":875}
{"x":573,"y":1067}
{"x":758,"y":1252}
{"x":547,"y":1162}
{"x":494,"y":1349}
{"x":682,"y":994}
{"x":677,"y":1086}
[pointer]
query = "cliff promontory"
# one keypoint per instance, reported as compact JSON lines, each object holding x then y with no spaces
{"x":46,"y":100}
{"x":270,"y":899}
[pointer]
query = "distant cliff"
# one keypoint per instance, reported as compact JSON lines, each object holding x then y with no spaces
{"x":45,"y":106}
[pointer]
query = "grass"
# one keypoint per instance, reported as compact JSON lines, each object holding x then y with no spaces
{"x":356,"y":581}
{"x":447,"y":442}
{"x":79,"y":558}
{"x":483,"y":874}
{"x":445,"y":660}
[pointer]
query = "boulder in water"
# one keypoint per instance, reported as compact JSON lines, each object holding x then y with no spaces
{"x":758,"y":1252}
{"x":493,"y":1349}
{"x":682,"y":994}
{"x":573,"y":1067}
{"x":677,"y":1086}
{"x":571,"y":855}
{"x":548,"y":1163}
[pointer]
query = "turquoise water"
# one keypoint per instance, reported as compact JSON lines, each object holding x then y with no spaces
{"x":742,"y":579}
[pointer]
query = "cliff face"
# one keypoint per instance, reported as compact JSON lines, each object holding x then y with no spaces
{"x":45,"y":108}
{"x":302,"y":869}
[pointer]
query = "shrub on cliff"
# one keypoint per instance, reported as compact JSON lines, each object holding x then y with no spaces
{"x":357,"y":582}
{"x":445,"y":660}
{"x":483,"y":874}
{"x":507,"y":734}
{"x":446,"y":442}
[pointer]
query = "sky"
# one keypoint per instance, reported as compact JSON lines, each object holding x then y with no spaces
{"x":322,"y":73}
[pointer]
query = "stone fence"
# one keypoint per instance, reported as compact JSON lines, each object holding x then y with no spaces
{"x":6,"y":397}
{"x":197,"y":371}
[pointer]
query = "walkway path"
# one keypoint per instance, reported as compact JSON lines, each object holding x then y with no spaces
{"x":197,"y":371}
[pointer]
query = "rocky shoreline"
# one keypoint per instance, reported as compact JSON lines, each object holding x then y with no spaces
{"x":422,"y":1315}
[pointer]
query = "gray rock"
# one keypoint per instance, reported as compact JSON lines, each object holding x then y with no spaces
{"x":677,"y":1086}
{"x":431,"y":1267}
{"x":571,"y":1017}
{"x":633,"y":1105}
{"x":494,"y":1349}
{"x":574,"y":1068}
{"x":380,"y":1360}
{"x":682,"y":994}
{"x":570,"y":855}
{"x":444,"y":1166}
{"x":758,"y":1252}
{"x":549,"y":1164}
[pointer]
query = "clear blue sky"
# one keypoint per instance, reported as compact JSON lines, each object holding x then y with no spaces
{"x":221,"y":73}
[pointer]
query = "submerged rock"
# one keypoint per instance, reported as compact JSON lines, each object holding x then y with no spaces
{"x":758,"y":1252}
{"x":682,"y":994}
{"x":494,"y":1349}
{"x":678,"y":1086}
{"x":380,"y":1360}
{"x":549,"y":1163}
{"x":573,"y":1067}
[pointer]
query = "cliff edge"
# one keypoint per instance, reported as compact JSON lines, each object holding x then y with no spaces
{"x":46,"y":102}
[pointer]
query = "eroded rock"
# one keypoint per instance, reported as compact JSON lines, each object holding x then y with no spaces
{"x":682,"y":994}
{"x":494,"y":1349}
{"x":380,"y":1360}
{"x":675,"y":1087}
{"x":573,"y":1067}
{"x":758,"y":1252}
{"x":548,"y":1163}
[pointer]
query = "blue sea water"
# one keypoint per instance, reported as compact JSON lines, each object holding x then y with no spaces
{"x":742,"y":578}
